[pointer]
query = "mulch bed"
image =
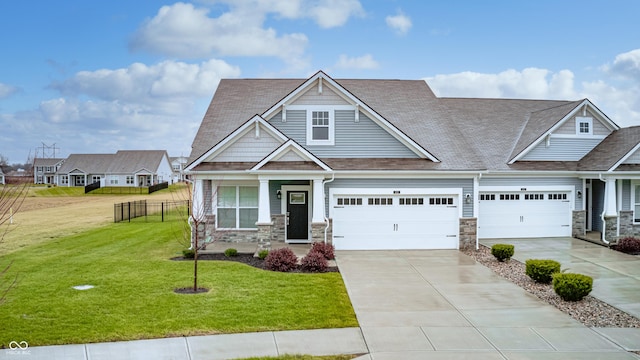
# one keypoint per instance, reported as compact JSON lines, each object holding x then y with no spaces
{"x":244,"y":258}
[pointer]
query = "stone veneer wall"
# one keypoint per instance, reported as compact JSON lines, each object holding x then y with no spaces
{"x":579,"y":223}
{"x":468,"y":232}
{"x":627,"y":227}
{"x":611,"y":226}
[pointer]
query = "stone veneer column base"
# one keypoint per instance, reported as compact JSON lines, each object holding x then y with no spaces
{"x":579,"y":223}
{"x":317,"y":231}
{"x":611,"y":226}
{"x":468,"y":233}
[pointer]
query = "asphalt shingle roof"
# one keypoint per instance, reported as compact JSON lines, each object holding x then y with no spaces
{"x":611,"y":150}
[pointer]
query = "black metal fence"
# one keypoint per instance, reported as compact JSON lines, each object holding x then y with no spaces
{"x":89,"y":188}
{"x":151,"y":210}
{"x":158,"y":187}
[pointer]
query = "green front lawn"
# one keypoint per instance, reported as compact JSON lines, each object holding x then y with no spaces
{"x":133,"y":298}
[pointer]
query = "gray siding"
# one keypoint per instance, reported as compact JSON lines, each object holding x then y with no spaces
{"x":626,"y":195}
{"x":569,"y":128}
{"x":362,"y":139}
{"x":465,"y":184}
{"x":634,"y":158}
{"x":562,"y":149}
{"x":311,"y":97}
{"x":537,"y":181}
{"x":249,"y":148}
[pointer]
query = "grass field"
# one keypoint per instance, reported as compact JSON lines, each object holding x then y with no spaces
{"x":129,"y":265}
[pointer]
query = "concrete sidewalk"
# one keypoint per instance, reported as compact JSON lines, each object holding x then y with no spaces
{"x":212,"y":347}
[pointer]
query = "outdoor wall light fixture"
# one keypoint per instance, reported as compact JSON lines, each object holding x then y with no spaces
{"x":279,"y":194}
{"x":467,"y":199}
{"x":579,"y":194}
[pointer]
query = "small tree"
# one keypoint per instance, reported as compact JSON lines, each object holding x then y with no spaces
{"x":194,"y":224}
{"x":11,"y":198}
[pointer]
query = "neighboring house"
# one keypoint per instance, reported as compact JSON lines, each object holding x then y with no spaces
{"x":385,"y":164}
{"x":44,"y":170}
{"x":177,"y":165}
{"x":124,"y":168}
{"x":1,"y":176}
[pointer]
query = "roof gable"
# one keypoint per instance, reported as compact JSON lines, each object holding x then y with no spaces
{"x":232,"y":148}
{"x":321,"y":82}
{"x":291,"y":151}
{"x":615,"y":150}
{"x":545,"y":122}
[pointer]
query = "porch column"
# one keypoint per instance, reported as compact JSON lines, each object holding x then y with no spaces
{"x":264,"y":207}
{"x":197,"y":210}
{"x":610,"y":207}
{"x":318,"y":201}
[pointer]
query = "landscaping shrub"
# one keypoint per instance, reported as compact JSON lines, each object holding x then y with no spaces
{"x":282,"y":259}
{"x":628,"y":245}
{"x":314,"y":261}
{"x":324,"y":249}
{"x":231,"y":252}
{"x":572,"y":287}
{"x":262,"y":254}
{"x":502,"y":252}
{"x":541,"y":270}
{"x":188,"y":253}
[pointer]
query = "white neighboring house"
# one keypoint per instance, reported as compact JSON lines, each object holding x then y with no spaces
{"x":124,"y":168}
{"x":386,"y":164}
{"x":44,"y":170}
{"x":1,"y":176}
{"x":178,"y":164}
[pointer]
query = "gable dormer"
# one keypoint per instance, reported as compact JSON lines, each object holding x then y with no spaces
{"x":329,"y":121}
{"x":570,"y":137}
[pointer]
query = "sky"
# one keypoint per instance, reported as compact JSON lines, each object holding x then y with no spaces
{"x":81,"y":76}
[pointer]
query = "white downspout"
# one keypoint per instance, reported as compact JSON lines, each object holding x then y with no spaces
{"x":326,"y":219}
{"x":604,"y":224}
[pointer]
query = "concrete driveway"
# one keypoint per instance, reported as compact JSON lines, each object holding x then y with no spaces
{"x":443,"y":305}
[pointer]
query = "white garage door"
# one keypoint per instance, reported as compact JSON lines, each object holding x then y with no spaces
{"x":524,"y":214}
{"x":383,"y":222}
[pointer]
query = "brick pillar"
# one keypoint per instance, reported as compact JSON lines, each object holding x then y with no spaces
{"x":579,"y":223}
{"x":468,"y":233}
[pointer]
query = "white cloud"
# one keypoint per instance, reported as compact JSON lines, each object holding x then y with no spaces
{"x":7,"y":90}
{"x":400,"y":23}
{"x":618,"y":99}
{"x":183,"y":30}
{"x":626,"y":65}
{"x":530,"y":83}
{"x":142,"y":106}
{"x":362,"y":62}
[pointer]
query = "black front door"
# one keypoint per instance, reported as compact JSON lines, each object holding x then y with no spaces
{"x":298,"y":213}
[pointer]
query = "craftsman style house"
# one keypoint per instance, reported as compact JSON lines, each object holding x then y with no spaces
{"x":385,"y":164}
{"x":124,"y":168}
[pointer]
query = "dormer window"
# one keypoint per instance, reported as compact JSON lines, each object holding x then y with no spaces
{"x":584,"y":126}
{"x":320,"y":127}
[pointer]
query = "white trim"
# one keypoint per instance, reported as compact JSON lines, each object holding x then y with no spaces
{"x":237,"y":134}
{"x":632,"y":201}
{"x":625,"y":157}
{"x":293,"y":146}
{"x":345,"y":94}
{"x":586,"y":103}
{"x":567,"y":136}
{"x":584,"y":120}
{"x":284,"y":191}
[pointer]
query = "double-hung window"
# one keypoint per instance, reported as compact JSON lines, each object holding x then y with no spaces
{"x":237,"y":207}
{"x":320,"y":126}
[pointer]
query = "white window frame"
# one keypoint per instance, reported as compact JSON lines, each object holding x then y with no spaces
{"x":113,"y":179}
{"x":130,"y":180}
{"x":237,"y":207}
{"x":633,"y":202}
{"x":331,"y":126}
{"x":584,"y":120}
